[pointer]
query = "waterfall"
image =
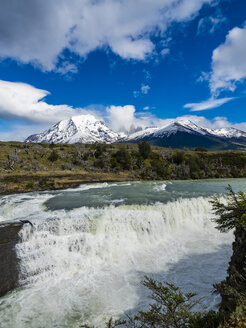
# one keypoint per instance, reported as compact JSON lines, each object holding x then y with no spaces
{"x":86,"y":265}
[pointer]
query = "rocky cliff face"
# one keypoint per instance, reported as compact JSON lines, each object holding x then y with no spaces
{"x":233,"y":288}
{"x":9,"y":272}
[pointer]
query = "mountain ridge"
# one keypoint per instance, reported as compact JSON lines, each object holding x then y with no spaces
{"x":176,"y":133}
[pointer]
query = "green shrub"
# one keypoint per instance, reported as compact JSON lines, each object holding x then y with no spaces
{"x":232,"y":214}
{"x":201,"y":149}
{"x":100,"y":149}
{"x":209,"y":319}
{"x":99,"y":162}
{"x":178,"y":157}
{"x":144,"y":149}
{"x":114,"y":163}
{"x":29,"y":185}
{"x":158,"y":166}
{"x":123,"y":158}
{"x":53,"y":157}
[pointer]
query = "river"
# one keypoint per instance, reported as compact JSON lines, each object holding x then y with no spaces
{"x":89,"y":249}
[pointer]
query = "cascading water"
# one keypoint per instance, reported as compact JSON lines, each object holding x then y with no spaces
{"x":86,"y":264}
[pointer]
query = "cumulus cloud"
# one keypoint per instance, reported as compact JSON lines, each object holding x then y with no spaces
{"x":208,"y":104}
{"x":23,"y":101}
{"x":229,"y":62}
{"x":121,"y":117}
{"x":38,"y":32}
{"x":125,"y":119}
{"x":118,"y":118}
{"x":228,"y":69}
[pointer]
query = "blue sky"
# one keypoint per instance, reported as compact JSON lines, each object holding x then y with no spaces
{"x":129,"y":63}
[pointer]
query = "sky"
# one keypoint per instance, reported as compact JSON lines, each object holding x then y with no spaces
{"x":130,"y":63}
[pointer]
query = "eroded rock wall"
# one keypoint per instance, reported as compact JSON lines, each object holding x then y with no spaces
{"x":9,"y":266}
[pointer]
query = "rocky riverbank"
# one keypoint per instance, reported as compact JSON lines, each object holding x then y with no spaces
{"x":18,"y":182}
{"x":9,"y":237}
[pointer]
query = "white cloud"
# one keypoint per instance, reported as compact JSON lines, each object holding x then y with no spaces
{"x":145,"y":89}
{"x":37,"y":31}
{"x":19,"y":132}
{"x":67,"y":67}
{"x":147,"y":75}
{"x":136,"y":94}
{"x":229,"y":62}
{"x":23,"y":101}
{"x":165,"y":52}
{"x":240,"y":126}
{"x":121,"y":117}
{"x":125,"y":119}
{"x":208,"y":104}
{"x":215,"y":123}
{"x":210,"y":24}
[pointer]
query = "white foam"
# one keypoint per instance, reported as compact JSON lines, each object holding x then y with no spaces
{"x":160,"y":187}
{"x":86,"y":265}
{"x":15,"y":207}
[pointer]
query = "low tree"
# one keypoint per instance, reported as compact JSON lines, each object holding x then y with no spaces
{"x":232,"y":213}
{"x":178,"y":157}
{"x":171,"y":308}
{"x":123,"y":158}
{"x":144,"y":149}
{"x":53,"y":157}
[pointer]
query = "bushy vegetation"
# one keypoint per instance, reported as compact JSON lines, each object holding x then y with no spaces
{"x":144,"y":149}
{"x":232,"y":213}
{"x":134,"y":161}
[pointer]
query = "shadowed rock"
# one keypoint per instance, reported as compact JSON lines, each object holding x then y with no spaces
{"x":9,"y":266}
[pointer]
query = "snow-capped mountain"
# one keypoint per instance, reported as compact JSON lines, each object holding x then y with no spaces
{"x":184,"y":133}
{"x":174,"y":133}
{"x":77,"y":129}
{"x":228,"y":133}
{"x":183,"y":125}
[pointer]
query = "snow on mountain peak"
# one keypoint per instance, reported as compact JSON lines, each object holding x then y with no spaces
{"x":229,"y":133}
{"x":77,"y":129}
{"x":88,"y":129}
{"x":173,"y":126}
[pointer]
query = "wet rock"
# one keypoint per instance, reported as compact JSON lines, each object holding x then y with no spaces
{"x":9,"y":266}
